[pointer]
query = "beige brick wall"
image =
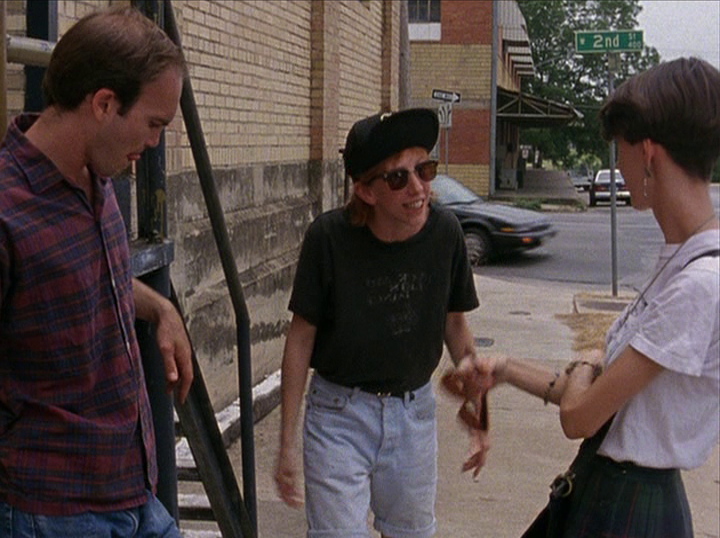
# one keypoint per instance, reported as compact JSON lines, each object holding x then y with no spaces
{"x":465,"y":69}
{"x":70,"y":11}
{"x":360,"y":93}
{"x":14,"y":76}
{"x":249,"y":64}
{"x":475,"y":177}
{"x":390,"y":61}
{"x":461,"y":68}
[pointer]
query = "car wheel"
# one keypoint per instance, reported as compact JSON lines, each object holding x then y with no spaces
{"x":593,"y":202}
{"x":478,"y":247}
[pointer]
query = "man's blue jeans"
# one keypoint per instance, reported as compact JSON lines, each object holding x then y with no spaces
{"x":151,"y":520}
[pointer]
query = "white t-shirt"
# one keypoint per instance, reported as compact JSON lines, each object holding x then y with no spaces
{"x":675,"y":421}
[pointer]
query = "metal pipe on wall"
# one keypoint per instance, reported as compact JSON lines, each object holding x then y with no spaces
{"x":3,"y":75}
{"x":23,"y":50}
{"x":28,"y":50}
{"x":493,"y":99}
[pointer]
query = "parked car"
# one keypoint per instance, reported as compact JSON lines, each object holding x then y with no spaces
{"x":490,"y":229}
{"x":600,"y":188}
{"x":581,"y":179}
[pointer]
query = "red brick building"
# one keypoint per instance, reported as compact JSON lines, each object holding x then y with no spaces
{"x":478,"y":49}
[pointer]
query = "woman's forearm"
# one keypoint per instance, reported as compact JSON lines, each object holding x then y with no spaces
{"x":535,"y":380}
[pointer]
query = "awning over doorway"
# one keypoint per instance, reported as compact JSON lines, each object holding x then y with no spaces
{"x":526,"y":110}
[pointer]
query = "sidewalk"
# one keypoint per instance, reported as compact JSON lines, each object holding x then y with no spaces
{"x":549,"y":187}
{"x":529,"y":448}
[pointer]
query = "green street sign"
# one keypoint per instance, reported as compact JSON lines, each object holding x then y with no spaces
{"x":609,"y":41}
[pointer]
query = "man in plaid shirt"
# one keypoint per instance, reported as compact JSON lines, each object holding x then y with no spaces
{"x":77,"y":448}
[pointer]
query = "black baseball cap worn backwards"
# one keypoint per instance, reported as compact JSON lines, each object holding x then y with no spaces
{"x":375,"y":138}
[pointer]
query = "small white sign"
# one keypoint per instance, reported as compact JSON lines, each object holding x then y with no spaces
{"x":445,"y":95}
{"x":445,"y":115}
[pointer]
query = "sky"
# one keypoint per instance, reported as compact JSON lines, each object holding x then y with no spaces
{"x":687,"y":28}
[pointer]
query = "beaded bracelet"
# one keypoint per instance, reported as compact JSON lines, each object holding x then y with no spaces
{"x":546,"y":396}
{"x":597,"y":369}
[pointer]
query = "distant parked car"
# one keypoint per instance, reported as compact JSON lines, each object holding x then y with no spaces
{"x":490,"y":229}
{"x":581,"y":179}
{"x":600,"y":188}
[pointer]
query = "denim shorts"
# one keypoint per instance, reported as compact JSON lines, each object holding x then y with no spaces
{"x":150,"y":520}
{"x":364,"y":452}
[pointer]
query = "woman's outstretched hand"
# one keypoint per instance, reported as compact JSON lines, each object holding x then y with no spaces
{"x":469,"y":382}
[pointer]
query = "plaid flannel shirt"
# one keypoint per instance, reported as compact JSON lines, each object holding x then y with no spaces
{"x":76,"y":428}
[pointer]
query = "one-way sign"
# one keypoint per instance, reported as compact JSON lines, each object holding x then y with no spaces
{"x":447,"y":96}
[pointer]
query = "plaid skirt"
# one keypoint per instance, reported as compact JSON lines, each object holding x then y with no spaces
{"x":623,"y":500}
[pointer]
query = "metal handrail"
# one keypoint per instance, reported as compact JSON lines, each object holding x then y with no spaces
{"x":28,"y":50}
{"x":222,"y":239}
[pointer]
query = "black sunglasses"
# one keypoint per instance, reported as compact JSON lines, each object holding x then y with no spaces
{"x":398,"y":179}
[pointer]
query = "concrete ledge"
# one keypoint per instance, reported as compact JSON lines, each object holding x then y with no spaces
{"x":585,"y":303}
{"x":266,"y":396}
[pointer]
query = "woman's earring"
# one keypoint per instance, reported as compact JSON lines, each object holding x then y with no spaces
{"x":645,"y":178}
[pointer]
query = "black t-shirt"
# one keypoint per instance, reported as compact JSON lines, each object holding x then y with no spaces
{"x":380,"y":308}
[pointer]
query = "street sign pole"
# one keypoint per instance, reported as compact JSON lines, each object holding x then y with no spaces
{"x":447,"y":148}
{"x":610,"y":43}
{"x":445,"y":116}
{"x":613,"y":61}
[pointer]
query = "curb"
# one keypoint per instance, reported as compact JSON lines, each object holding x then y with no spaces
{"x":266,"y":396}
{"x":587,"y":303}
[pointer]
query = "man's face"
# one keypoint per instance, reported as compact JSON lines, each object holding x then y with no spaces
{"x":122,"y":138}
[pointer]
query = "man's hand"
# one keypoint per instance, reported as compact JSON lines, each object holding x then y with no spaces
{"x":172,"y":339}
{"x":176,"y":351}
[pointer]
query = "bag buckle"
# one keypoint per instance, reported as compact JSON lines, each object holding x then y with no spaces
{"x":562,"y":486}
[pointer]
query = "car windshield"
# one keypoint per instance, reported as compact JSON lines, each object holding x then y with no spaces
{"x":448,"y":192}
{"x":604,"y":176}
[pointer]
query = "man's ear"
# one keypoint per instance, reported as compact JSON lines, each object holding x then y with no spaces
{"x":364,"y":191}
{"x":103,"y":103}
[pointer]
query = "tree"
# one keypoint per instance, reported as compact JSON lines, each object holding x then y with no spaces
{"x":579,"y":80}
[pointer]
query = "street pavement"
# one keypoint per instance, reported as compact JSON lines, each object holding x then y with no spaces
{"x":516,"y":319}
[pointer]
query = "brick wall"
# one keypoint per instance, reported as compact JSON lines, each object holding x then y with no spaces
{"x":466,"y":21}
{"x":360,"y":63}
{"x":278,"y":86}
{"x":460,"y":68}
{"x":460,"y":62}
{"x":250,"y":69}
{"x":14,"y":77}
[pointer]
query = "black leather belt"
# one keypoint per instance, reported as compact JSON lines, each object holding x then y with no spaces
{"x":391,"y":394}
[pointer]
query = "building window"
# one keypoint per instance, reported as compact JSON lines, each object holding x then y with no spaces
{"x":423,"y":11}
{"x":424,"y":20}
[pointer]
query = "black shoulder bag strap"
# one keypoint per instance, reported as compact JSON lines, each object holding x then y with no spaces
{"x":710,"y":253}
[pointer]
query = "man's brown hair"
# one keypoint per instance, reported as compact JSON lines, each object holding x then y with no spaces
{"x":119,"y":49}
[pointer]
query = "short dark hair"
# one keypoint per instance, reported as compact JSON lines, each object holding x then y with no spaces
{"x":118,"y":48}
{"x":675,"y":104}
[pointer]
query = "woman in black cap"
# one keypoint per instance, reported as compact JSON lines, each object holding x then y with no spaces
{"x":380,"y":285}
